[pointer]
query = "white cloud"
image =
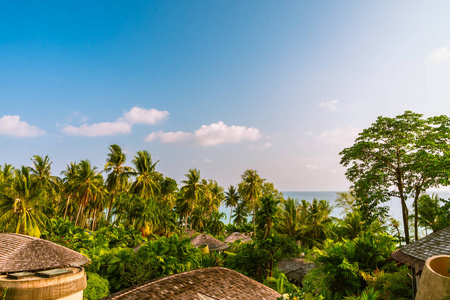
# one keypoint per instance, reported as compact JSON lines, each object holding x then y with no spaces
{"x":439,"y":54}
{"x":121,"y":126}
{"x":11,"y":125}
{"x":178,"y":137}
{"x":208,"y":135}
{"x":311,"y":167}
{"x":145,"y":116}
{"x":330,"y":105}
{"x":99,"y":129}
{"x":208,"y":161}
{"x":340,"y":137}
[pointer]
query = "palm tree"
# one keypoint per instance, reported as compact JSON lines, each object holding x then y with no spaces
{"x":118,"y":175}
{"x":240,"y":214}
{"x":213,"y":196}
{"x":289,"y":218}
{"x":144,"y":184}
{"x":191,"y":191}
{"x":6,"y":177}
{"x":41,"y":173}
{"x":68,"y":184}
{"x":314,"y":217}
{"x":87,"y":185}
{"x":231,"y":199}
{"x":20,"y":210}
{"x":250,"y":190}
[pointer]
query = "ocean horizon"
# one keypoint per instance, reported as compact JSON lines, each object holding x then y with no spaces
{"x":394,"y":205}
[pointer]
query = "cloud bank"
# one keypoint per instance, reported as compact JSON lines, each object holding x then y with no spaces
{"x":12,"y":126}
{"x":136,"y":115}
{"x":207,"y":135}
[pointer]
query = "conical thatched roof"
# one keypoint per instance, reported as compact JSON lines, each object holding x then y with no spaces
{"x":237,"y":236}
{"x":213,"y":243}
{"x":209,"y":283}
{"x":415,"y":254}
{"x":25,"y":253}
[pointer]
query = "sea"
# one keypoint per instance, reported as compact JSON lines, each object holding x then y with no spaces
{"x":395,"y":209}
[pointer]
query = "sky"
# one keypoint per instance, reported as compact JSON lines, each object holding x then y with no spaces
{"x":222,"y":86}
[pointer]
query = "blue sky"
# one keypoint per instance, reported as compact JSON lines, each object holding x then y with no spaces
{"x":223,"y":86}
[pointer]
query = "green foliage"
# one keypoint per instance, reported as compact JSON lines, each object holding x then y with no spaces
{"x":164,"y":256}
{"x":97,"y":287}
{"x":390,"y":286}
{"x":339,"y":264}
{"x":397,"y":157}
{"x":279,"y":282}
{"x":368,"y":294}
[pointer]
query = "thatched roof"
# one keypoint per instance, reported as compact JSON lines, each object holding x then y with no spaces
{"x":415,"y":254}
{"x":25,"y":253}
{"x":189,"y":233}
{"x":213,"y":243}
{"x":237,"y":236}
{"x":210,"y":283}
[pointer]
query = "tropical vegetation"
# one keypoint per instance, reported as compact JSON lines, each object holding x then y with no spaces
{"x":132,"y":221}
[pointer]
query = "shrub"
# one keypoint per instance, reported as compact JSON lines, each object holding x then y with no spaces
{"x":390,"y":286}
{"x":97,"y":287}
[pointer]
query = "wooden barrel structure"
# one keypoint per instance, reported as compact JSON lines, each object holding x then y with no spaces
{"x":434,"y":282}
{"x":69,"y":286}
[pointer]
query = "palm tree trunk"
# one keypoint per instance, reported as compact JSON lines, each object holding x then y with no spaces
{"x":231,"y":212}
{"x":67,"y":207}
{"x":78,"y":214}
{"x":108,"y":216}
{"x":254,"y":226}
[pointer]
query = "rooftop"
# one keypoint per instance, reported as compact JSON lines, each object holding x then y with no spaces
{"x":213,"y":243}
{"x":237,"y":236}
{"x":20,"y":253}
{"x":415,"y":254}
{"x":209,"y":283}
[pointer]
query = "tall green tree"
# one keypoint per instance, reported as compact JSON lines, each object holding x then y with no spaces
{"x":399,"y":157}
{"x":87,"y":186}
{"x":231,"y":199}
{"x":21,"y":206}
{"x":145,"y":183}
{"x":192,"y":191}
{"x":250,"y":190}
{"x":118,"y":175}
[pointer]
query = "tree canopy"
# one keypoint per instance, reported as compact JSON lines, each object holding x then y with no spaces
{"x":398,"y":157}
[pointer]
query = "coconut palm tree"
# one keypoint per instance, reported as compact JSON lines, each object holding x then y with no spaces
{"x":289,"y":218}
{"x":212,"y":197}
{"x":144,"y":185}
{"x":20,"y":210}
{"x":87,"y":185}
{"x":67,"y":188}
{"x":231,"y":199}
{"x":117,"y":179}
{"x":250,"y":190}
{"x":50,"y":185}
{"x":191,"y":193}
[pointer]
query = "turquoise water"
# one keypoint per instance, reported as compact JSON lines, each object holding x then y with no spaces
{"x":394,"y":204}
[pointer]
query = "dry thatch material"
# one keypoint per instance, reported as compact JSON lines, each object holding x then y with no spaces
{"x":209,"y":283}
{"x":205,"y":239}
{"x":415,"y":254}
{"x":237,"y":236}
{"x":20,"y":253}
